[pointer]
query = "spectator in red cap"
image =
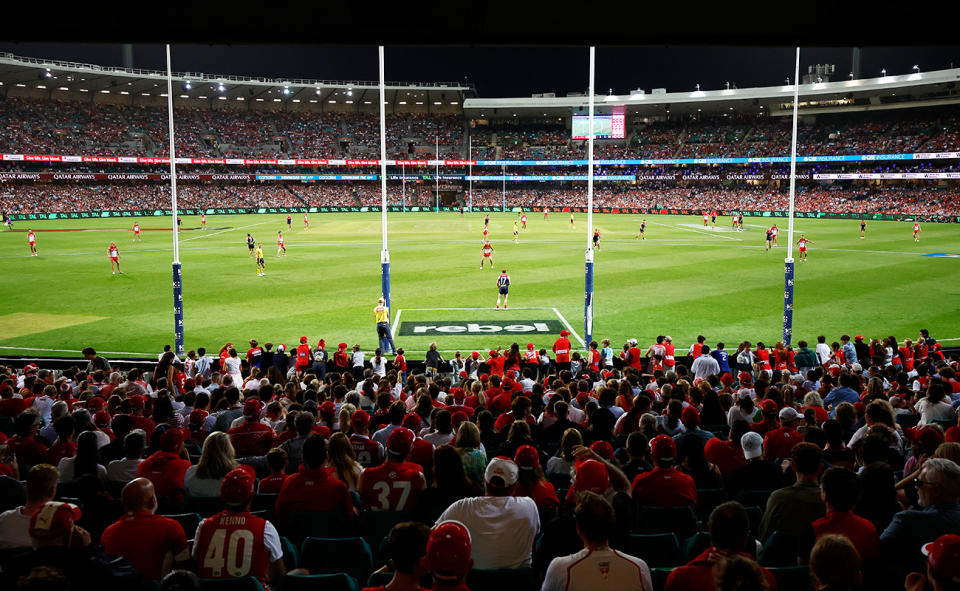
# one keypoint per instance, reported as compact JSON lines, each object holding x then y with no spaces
{"x":943,"y":566}
{"x":166,"y":467}
{"x":369,"y":452}
{"x":561,"y":348}
{"x":690,"y":417}
{"x":312,"y":488}
{"x":502,"y":526}
{"x":664,"y":486}
{"x":768,"y":409}
{"x":260,"y":555}
{"x":449,"y":552}
{"x":597,"y":566}
{"x":341,"y":360}
{"x":252,"y":438}
{"x":396,"y":484}
{"x":729,"y":528}
{"x":531,"y":482}
{"x":153,"y":544}
{"x":407,"y":548}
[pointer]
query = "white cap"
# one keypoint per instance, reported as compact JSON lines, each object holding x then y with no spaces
{"x":752,"y":444}
{"x":502,"y":468}
{"x":788,"y":413}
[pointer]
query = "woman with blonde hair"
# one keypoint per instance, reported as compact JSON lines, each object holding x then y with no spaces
{"x":342,"y":461}
{"x":471,"y":452}
{"x":563,"y":463}
{"x":216,"y":460}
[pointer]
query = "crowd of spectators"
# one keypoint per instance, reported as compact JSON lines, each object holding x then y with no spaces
{"x":654,"y":468}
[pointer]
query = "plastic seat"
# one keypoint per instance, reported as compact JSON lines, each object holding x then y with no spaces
{"x":681,"y":521}
{"x":792,"y":578}
{"x":264,"y":502}
{"x":659,"y":577}
{"x":694,"y":546}
{"x":753,"y":498}
{"x":205,"y":506}
{"x":908,"y":420}
{"x":503,"y":579}
{"x":657,"y":550}
{"x":291,"y":557}
{"x":321,"y":524}
{"x":755,"y":515}
{"x":780,"y":549}
{"x":189,"y":522}
{"x":707,"y":501}
{"x":375,"y":525}
{"x":559,"y":480}
{"x":337,"y":582}
{"x":351,"y":556}
{"x":237,"y":584}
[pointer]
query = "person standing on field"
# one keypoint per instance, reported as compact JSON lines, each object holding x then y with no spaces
{"x":382,"y":315}
{"x":503,"y":288}
{"x":114,"y":259}
{"x":32,"y":241}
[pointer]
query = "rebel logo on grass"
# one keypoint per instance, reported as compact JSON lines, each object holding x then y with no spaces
{"x":478,"y":327}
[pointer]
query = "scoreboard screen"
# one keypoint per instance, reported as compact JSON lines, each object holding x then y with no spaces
{"x":604,"y":126}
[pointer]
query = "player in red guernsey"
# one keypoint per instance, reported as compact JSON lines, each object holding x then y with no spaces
{"x":706,"y":219}
{"x":114,"y":259}
{"x":32,"y":241}
{"x":485,"y":239}
{"x":396,"y":484}
{"x":916,"y":232}
{"x":136,"y":232}
{"x":802,"y":244}
{"x":306,"y":222}
{"x":235,"y":543}
{"x":203,"y":221}
{"x":546,"y":213}
{"x":487,"y":254}
{"x":523,"y":221}
{"x":280,"y":246}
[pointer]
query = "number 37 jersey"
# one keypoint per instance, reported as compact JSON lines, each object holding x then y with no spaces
{"x":392,"y":486}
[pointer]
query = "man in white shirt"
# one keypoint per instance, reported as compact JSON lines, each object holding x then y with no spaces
{"x":44,"y":402}
{"x":202,"y":366}
{"x":597,"y":566}
{"x":527,"y":382}
{"x":704,"y":366}
{"x":503,"y":527}
{"x":15,"y":523}
{"x":125,"y":470}
{"x":823,"y":350}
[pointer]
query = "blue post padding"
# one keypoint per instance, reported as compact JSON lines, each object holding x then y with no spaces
{"x":178,"y":308}
{"x":385,"y":282}
{"x":588,"y":304}
{"x":787,"y":301}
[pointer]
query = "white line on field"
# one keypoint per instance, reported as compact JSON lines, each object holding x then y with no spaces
{"x":570,"y":328}
{"x":227,"y":230}
{"x":681,"y":227}
{"x":488,"y":308}
{"x":396,"y":322}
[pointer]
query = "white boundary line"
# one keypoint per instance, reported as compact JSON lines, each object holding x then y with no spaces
{"x":682,"y":227}
{"x":222,"y":231}
{"x":396,"y":323}
{"x":448,"y":309}
{"x":570,"y":328}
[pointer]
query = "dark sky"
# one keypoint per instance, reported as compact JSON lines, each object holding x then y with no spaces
{"x":500,"y":71}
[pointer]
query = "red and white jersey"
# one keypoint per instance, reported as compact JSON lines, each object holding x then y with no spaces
{"x":531,"y":356}
{"x":203,"y":218}
{"x":392,"y":486}
{"x":280,"y":239}
{"x":369,"y":452}
{"x":763,"y":358}
{"x":773,"y":230}
{"x":136,"y":228}
{"x":487,"y":250}
{"x":523,"y":218}
{"x":706,"y":217}
{"x":802,"y":243}
{"x":230,"y":545}
{"x":484,"y":231}
{"x":114,"y":253}
{"x":31,"y":237}
{"x":304,"y":217}
{"x":916,"y":228}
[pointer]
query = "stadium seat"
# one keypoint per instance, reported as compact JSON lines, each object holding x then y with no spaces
{"x":238,"y":584}
{"x":291,"y":558}
{"x":322,"y":524}
{"x":694,"y":546}
{"x":657,"y":550}
{"x":721,"y":431}
{"x":337,"y":582}
{"x":9,"y":555}
{"x":205,"y":506}
{"x":559,"y":481}
{"x":381,"y":577}
{"x":753,"y":498}
{"x":908,"y":420}
{"x":351,"y":556}
{"x":514,"y":579}
{"x":681,"y":521}
{"x":707,"y":500}
{"x":375,"y":525}
{"x":792,"y":578}
{"x":189,"y":522}
{"x":755,"y":515}
{"x":659,"y":577}
{"x":780,"y":549}
{"x":264,"y":502}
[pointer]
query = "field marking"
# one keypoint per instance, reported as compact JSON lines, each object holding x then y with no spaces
{"x":21,"y":324}
{"x":487,"y":308}
{"x":226,"y":230}
{"x":681,"y":227}
{"x":75,"y":351}
{"x":396,"y":322}
{"x":570,"y":328}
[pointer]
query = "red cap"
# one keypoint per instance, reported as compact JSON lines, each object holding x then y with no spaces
{"x":952,"y":435}
{"x":198,"y":416}
{"x":101,"y":418}
{"x":726,"y":379}
{"x":860,"y":407}
{"x":236,"y":488}
{"x":768,"y":406}
{"x":321,"y":343}
{"x":137,"y":402}
{"x":448,"y":551}
{"x":342,"y":346}
{"x":95,"y":403}
{"x":859,"y":337}
{"x":564,"y":333}
{"x":527,"y":457}
{"x":360,"y":419}
{"x":745,"y":377}
{"x":592,"y":476}
{"x":413,"y":422}
{"x":690,"y":417}
{"x":926,"y":438}
{"x":463,"y":373}
{"x":475,"y":354}
{"x":54,"y":520}
{"x":171,"y":440}
{"x":328,"y":407}
{"x":663,"y":448}
{"x":458,"y":418}
{"x":322,"y":431}
{"x":30,"y":368}
{"x":944,"y":556}
{"x":400,"y":442}
{"x":529,"y":346}
{"x":303,"y":339}
{"x":603,"y":449}
{"x":189,"y":384}
{"x":251,"y":408}
{"x":484,"y":377}
{"x":493,"y":353}
{"x":835,"y":370}
{"x":582,"y":399}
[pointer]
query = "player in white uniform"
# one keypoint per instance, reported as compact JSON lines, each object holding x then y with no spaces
{"x":203,"y":221}
{"x":802,"y":244}
{"x":280,"y":246}
{"x":916,"y":232}
{"x":306,"y":222}
{"x":114,"y":259}
{"x":32,"y":241}
{"x":136,"y":232}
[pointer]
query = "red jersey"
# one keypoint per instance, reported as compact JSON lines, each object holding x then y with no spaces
{"x":594,"y":360}
{"x":144,"y":539}
{"x":861,"y":533}
{"x":280,"y":239}
{"x":252,"y":438}
{"x":780,"y":359}
{"x":487,"y":250}
{"x":312,"y":489}
{"x":303,"y":355}
{"x":695,"y":351}
{"x":60,"y":450}
{"x":727,"y":456}
{"x":136,"y":228}
{"x":668,"y":355}
{"x":230,"y":545}
{"x":28,"y":450}
{"x":496,"y":364}
{"x":391,"y":486}
{"x":698,"y":573}
{"x":778,"y":443}
{"x":542,"y":492}
{"x":272,"y":484}
{"x":636,"y":357}
{"x":763,"y":358}
{"x":32,"y":238}
{"x":906,"y":355}
{"x":369,"y":453}
{"x":916,"y":228}
{"x":562,"y":349}
{"x":664,"y":487}
{"x":165,"y":470}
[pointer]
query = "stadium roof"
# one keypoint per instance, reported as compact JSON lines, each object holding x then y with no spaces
{"x":886,"y":92}
{"x":55,"y":74}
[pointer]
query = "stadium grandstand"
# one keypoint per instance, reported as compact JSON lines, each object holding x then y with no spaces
{"x":884,"y":145}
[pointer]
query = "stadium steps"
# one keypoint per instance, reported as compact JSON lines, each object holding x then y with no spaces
{"x":295,"y":194}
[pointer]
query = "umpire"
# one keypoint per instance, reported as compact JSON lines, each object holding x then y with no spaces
{"x":382,"y":314}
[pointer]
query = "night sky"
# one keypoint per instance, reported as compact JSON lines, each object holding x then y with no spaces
{"x":501,"y":71}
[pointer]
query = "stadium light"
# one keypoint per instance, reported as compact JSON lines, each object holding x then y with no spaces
{"x":220,"y":87}
{"x":188,"y":86}
{"x":916,"y":68}
{"x":318,"y":91}
{"x":286,"y":90}
{"x":349,"y":92}
{"x":883,"y":72}
{"x":698,"y":87}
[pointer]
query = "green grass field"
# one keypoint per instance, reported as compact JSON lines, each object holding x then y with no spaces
{"x":683,"y":280}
